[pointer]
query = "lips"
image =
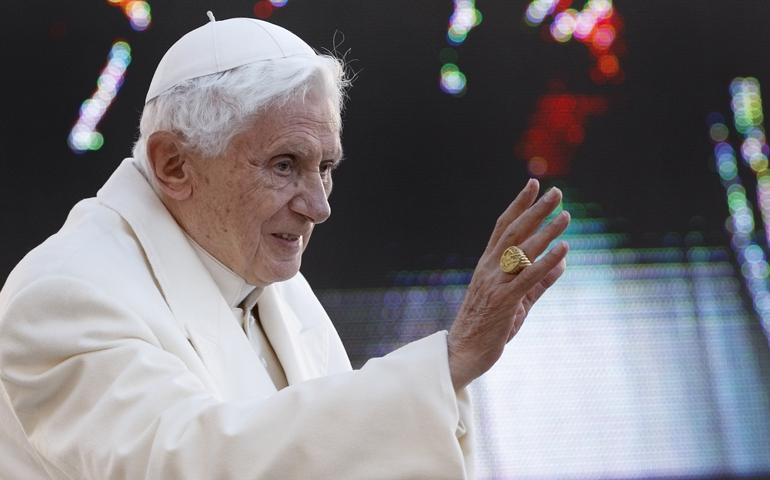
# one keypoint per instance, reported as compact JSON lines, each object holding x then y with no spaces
{"x":287,"y":236}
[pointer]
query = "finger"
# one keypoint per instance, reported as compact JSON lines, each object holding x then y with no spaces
{"x":540,"y":288}
{"x":528,"y":222}
{"x":535,"y":245}
{"x":526,"y":280}
{"x":523,"y":201}
{"x":536,"y":292}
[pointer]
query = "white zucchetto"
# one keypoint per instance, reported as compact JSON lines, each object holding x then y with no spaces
{"x":220,"y":46}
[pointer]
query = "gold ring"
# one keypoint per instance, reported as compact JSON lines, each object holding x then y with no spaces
{"x":513,"y":260}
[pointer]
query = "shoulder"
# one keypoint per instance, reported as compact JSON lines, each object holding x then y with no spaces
{"x":95,"y":247}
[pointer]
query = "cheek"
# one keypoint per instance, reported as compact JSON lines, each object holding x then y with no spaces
{"x":256,"y":201}
{"x":307,"y":239}
{"x":256,"y":208}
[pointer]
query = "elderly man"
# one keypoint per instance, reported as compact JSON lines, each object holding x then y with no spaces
{"x":165,"y":332}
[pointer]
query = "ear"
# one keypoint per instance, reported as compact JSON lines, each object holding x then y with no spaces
{"x":170,"y":166}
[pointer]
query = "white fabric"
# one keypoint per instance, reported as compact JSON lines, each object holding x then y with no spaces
{"x":232,"y":287}
{"x":261,"y":345}
{"x":119,"y":358}
{"x":222,"y":45}
{"x":241,"y":298}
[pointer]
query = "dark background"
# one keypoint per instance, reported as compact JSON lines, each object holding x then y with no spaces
{"x":426,"y":174}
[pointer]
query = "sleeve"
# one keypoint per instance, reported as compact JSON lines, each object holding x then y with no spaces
{"x":98,"y":397}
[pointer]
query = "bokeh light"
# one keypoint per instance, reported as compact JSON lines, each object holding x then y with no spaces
{"x":263,"y":9}
{"x":563,"y":25}
{"x":538,"y":10}
{"x":537,"y":166}
{"x":740,"y":224}
{"x":138,"y":13}
{"x":597,"y":26}
{"x":555,"y":129}
{"x":452,"y":80}
{"x":719,"y":132}
{"x":608,"y":64}
{"x":463,"y":19}
{"x":746,"y":104}
{"x":748,"y":116}
{"x":747,"y":109}
{"x":84,"y":135}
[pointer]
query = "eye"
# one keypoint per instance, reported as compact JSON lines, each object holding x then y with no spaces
{"x":283,"y":166}
{"x":326,"y":168}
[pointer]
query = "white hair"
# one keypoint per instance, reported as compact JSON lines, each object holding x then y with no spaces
{"x":207,"y":112}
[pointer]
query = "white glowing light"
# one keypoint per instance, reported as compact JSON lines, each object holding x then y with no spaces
{"x":84,"y":135}
{"x":754,"y":267}
{"x":585,"y":24}
{"x":747,"y":106}
{"x":452,"y":80}
{"x":464,"y":18}
{"x":563,"y":26}
{"x":538,"y":10}
{"x":138,"y":13}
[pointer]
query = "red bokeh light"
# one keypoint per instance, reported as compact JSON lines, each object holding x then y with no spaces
{"x":567,"y":103}
{"x":558,"y":126}
{"x":602,"y":40}
{"x":563,"y":5}
{"x":555,"y":129}
{"x":263,"y":9}
{"x":603,"y":37}
{"x":575,"y":134}
{"x":608,"y":64}
{"x":537,"y":135}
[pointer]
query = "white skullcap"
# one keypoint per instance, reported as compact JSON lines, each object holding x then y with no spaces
{"x":219,"y":46}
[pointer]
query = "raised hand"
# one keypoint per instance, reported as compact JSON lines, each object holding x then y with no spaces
{"x":496,"y":302}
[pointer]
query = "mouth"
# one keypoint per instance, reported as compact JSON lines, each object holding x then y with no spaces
{"x":287,"y":236}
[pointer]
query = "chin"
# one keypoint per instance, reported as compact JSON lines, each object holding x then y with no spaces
{"x":278,"y":273}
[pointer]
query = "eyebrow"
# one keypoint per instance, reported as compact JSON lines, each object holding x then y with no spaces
{"x":302,"y":148}
{"x":338,"y":157}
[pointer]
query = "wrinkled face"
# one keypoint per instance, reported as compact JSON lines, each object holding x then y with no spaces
{"x":255,"y":207}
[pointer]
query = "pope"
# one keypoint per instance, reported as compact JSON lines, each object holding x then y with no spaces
{"x":166,"y":332}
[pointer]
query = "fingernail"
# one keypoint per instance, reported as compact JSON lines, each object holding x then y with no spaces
{"x":551,"y":193}
{"x":560,"y":218}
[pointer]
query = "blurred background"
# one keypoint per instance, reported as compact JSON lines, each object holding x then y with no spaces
{"x":649,"y":358}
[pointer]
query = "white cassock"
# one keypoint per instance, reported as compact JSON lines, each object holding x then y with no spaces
{"x":121,"y":358}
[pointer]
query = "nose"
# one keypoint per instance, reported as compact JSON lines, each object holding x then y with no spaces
{"x":312,"y":200}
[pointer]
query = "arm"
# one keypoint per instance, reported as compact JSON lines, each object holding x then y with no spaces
{"x":98,"y":397}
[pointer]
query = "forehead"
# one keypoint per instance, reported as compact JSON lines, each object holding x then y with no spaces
{"x":308,"y":127}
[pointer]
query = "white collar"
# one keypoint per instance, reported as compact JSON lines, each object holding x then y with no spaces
{"x":233,"y":288}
